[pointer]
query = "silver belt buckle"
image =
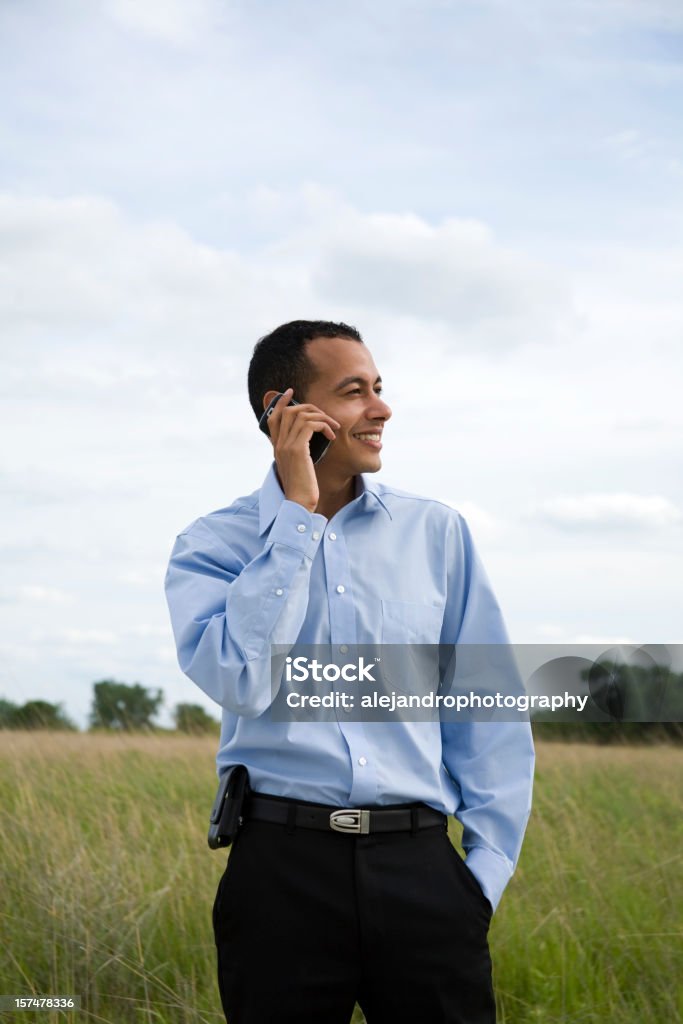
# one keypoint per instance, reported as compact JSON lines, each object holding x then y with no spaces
{"x":354,"y":820}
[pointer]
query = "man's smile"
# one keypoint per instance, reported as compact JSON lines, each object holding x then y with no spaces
{"x":373,"y":439}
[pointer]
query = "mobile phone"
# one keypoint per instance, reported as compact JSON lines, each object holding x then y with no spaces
{"x":227,"y":814}
{"x":318,"y":444}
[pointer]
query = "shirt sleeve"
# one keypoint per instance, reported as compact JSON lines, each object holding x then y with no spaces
{"x":226,"y":613}
{"x":492,"y":763}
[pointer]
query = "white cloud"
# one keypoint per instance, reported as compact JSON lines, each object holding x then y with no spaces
{"x":80,"y":265}
{"x":486,"y":527}
{"x":585,"y":18}
{"x":112,"y":306}
{"x":454,"y":272}
{"x":551,"y":632}
{"x":608,"y":511}
{"x":166,"y":655}
{"x":600,"y":640}
{"x":145,"y":630}
{"x":43,"y":595}
{"x":35,"y":484}
{"x":135,"y":578}
{"x":171,"y":21}
{"x":74,"y":637}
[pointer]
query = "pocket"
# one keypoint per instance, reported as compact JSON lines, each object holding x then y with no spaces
{"x":224,"y":902}
{"x":216,"y":909}
{"x":408,"y":622}
{"x":474,"y":883}
{"x":469,"y":879}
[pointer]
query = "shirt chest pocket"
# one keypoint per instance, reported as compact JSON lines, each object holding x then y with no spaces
{"x":405,"y":622}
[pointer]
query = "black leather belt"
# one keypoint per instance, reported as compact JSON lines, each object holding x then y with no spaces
{"x":351,"y":820}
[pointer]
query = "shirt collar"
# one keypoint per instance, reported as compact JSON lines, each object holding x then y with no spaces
{"x":271,"y":497}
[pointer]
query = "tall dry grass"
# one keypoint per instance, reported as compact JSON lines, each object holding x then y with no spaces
{"x":106,"y":883}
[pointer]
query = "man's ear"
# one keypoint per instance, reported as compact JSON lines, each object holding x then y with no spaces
{"x":268,"y":398}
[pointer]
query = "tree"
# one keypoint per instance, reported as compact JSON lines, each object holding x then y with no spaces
{"x":7,"y":713}
{"x":123,"y":707}
{"x":34,"y":714}
{"x":193,"y":718}
{"x":40,"y":714}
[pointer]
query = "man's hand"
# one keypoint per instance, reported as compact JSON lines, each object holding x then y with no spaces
{"x":291,"y":428}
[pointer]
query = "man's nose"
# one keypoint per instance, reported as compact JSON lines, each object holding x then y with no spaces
{"x":383,"y":410}
{"x":379,"y":409}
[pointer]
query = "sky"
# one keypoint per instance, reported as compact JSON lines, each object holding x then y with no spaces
{"x":491,"y":192}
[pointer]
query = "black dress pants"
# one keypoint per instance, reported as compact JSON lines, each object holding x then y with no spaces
{"x":308,"y":923}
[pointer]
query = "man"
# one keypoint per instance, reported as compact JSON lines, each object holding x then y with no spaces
{"x":307,"y":919}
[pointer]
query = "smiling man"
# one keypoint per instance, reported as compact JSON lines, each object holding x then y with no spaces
{"x":343,"y":380}
{"x":308,"y":918}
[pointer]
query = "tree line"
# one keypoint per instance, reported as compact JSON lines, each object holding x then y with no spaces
{"x":644,"y":703}
{"x":616,"y":689}
{"x":116,"y":707}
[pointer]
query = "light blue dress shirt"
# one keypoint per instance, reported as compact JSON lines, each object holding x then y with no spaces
{"x":389,"y":567}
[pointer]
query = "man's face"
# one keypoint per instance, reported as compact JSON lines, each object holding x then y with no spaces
{"x":348,"y":387}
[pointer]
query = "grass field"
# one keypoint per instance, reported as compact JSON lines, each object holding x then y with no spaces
{"x":106,"y":883}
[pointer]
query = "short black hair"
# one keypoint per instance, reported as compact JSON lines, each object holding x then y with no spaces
{"x":279,"y":359}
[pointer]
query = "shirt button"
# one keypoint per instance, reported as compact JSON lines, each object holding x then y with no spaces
{"x":343,"y":648}
{"x":341,"y":588}
{"x":332,"y":536}
{"x":301,"y":528}
{"x":362,"y":761}
{"x":279,"y":591}
{"x":316,"y":535}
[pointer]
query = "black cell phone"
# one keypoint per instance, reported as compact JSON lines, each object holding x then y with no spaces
{"x":227,"y":813}
{"x":318,"y":444}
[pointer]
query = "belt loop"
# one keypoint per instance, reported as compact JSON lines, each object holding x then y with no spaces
{"x":413,"y":821}
{"x":291,"y":818}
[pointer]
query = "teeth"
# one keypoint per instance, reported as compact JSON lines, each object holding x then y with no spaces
{"x":367,"y":437}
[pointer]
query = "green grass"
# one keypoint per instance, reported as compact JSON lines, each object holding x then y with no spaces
{"x":106,"y":883}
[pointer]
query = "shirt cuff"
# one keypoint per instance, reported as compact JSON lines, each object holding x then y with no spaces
{"x":296,"y":527}
{"x":491,"y":870}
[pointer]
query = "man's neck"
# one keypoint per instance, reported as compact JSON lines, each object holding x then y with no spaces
{"x":334,"y":495}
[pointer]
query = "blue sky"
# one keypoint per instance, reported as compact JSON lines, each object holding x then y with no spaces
{"x":490,"y":192}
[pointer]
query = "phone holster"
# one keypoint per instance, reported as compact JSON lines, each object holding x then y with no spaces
{"x":227,"y":813}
